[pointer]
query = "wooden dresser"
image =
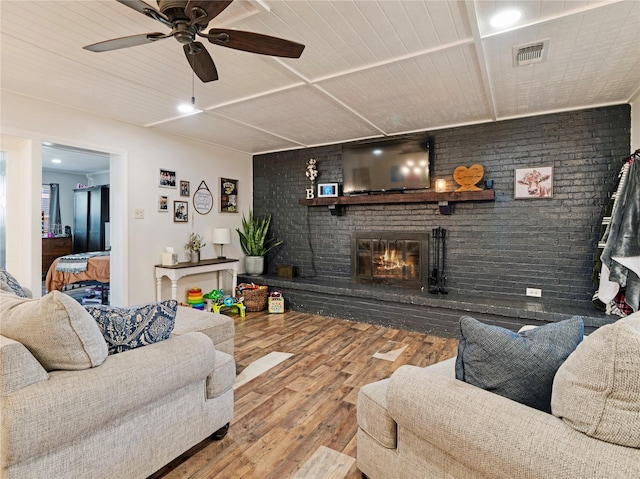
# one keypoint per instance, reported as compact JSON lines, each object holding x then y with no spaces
{"x":52,"y":248}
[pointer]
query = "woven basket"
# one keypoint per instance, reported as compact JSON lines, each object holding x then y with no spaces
{"x":255,"y":299}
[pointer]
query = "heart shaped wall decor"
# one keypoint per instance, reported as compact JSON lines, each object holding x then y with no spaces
{"x":467,"y":178}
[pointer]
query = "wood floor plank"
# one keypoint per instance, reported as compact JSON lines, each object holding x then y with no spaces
{"x":287,"y":415}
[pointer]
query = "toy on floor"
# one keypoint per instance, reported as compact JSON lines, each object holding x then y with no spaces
{"x":195,"y":299}
{"x":276,"y":302}
{"x":219,"y":301}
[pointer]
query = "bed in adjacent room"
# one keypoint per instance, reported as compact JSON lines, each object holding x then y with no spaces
{"x":80,"y":268}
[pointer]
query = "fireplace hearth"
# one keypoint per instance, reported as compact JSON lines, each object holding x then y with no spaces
{"x":392,"y":258}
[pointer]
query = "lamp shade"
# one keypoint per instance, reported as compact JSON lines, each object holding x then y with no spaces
{"x":221,"y":236}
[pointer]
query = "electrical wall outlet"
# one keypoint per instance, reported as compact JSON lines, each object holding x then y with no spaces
{"x":535,"y":292}
{"x":138,"y":214}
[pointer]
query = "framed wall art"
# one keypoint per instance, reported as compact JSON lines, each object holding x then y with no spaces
{"x":203,"y":199}
{"x":184,"y":188}
{"x":228,"y":195}
{"x":163,"y":204}
{"x":180,"y":211}
{"x":530,"y":183}
{"x":167,"y":178}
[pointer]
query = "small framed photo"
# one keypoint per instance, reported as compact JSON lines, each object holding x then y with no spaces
{"x":530,"y":183}
{"x":228,"y":195}
{"x":180,"y":211}
{"x":163,"y":204}
{"x":167,"y":178}
{"x":184,"y":188}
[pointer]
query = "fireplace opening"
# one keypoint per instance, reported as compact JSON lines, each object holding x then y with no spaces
{"x":397,"y":259}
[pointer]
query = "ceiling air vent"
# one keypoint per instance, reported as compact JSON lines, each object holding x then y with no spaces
{"x":531,"y":53}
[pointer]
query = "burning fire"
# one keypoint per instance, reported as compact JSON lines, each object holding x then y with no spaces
{"x":390,"y":260}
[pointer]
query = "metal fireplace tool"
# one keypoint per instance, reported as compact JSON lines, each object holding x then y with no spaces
{"x":438,"y":253}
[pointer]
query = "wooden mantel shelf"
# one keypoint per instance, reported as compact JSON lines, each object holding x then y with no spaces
{"x":388,"y":198}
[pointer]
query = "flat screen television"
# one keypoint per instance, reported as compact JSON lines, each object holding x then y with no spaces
{"x":386,"y":166}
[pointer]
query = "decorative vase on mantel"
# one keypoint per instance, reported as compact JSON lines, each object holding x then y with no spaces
{"x":195,"y":256}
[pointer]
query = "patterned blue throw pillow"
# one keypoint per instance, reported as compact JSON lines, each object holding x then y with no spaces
{"x":519,"y":366}
{"x":129,"y":328}
{"x":10,"y":284}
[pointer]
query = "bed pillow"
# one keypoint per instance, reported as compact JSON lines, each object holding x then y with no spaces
{"x":597,"y":389}
{"x":519,"y":366}
{"x":9,"y":284}
{"x":129,"y":328}
{"x":56,"y":329}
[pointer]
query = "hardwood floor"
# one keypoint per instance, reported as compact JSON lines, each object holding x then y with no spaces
{"x":298,"y":419}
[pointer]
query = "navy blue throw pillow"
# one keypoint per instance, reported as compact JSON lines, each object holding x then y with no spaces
{"x":519,"y":366}
{"x":129,"y":328}
{"x":10,"y":284}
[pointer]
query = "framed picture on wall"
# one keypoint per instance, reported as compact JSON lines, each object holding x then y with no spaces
{"x":180,"y":211}
{"x":531,"y":183}
{"x":163,"y":204}
{"x":167,"y":178}
{"x":228,"y":195}
{"x":184,"y":188}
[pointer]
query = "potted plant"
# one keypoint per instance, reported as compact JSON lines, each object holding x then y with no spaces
{"x":193,"y":247}
{"x":254,"y":242}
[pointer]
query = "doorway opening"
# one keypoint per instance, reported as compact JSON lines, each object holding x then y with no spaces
{"x":75,"y":222}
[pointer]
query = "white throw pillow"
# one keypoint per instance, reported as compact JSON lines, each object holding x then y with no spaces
{"x":597,"y":389}
{"x":56,"y":329}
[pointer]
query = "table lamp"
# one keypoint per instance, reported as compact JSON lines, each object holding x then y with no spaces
{"x":221,"y":236}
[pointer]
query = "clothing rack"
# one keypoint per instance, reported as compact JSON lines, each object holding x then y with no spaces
{"x":617,"y":306}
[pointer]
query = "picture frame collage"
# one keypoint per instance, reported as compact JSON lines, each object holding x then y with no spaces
{"x":202,"y":198}
{"x":168,"y":179}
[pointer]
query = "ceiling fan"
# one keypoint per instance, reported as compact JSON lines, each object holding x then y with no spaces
{"x":188,"y":19}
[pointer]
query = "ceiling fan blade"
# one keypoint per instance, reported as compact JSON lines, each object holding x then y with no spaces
{"x":255,"y":43}
{"x":125,"y":42}
{"x":146,"y":9}
{"x":213,"y":8}
{"x":201,"y":62}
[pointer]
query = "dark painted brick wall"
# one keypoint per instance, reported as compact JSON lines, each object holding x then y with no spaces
{"x":497,"y":248}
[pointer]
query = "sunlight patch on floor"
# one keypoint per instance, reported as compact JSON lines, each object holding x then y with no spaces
{"x":391,"y":351}
{"x":260,"y":366}
{"x":326,"y":464}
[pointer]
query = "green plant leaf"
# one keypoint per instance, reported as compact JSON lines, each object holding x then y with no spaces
{"x":254,"y":239}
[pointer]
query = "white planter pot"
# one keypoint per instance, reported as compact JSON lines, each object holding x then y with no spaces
{"x":195,"y":256}
{"x":254,"y":265}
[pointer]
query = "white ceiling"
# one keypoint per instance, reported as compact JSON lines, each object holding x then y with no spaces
{"x":67,"y":159}
{"x":370,"y":67}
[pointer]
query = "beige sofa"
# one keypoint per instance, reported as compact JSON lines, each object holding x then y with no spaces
{"x":125,"y":418}
{"x":423,"y":423}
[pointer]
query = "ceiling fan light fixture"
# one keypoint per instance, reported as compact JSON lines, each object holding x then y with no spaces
{"x":188,"y":108}
{"x":505,"y":18}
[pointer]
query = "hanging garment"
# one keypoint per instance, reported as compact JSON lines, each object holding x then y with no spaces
{"x":621,"y":255}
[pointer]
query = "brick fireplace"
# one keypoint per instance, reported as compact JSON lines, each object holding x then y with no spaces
{"x":391,"y":258}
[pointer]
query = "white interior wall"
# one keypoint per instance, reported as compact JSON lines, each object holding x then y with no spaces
{"x":67,"y":182}
{"x":99,"y":178}
{"x":137,"y":155}
{"x":24,"y":252}
{"x":635,"y":123}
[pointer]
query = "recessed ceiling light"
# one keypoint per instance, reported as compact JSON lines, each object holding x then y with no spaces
{"x":47,"y":143}
{"x":505,"y":18}
{"x":377,"y":151}
{"x":56,"y":160}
